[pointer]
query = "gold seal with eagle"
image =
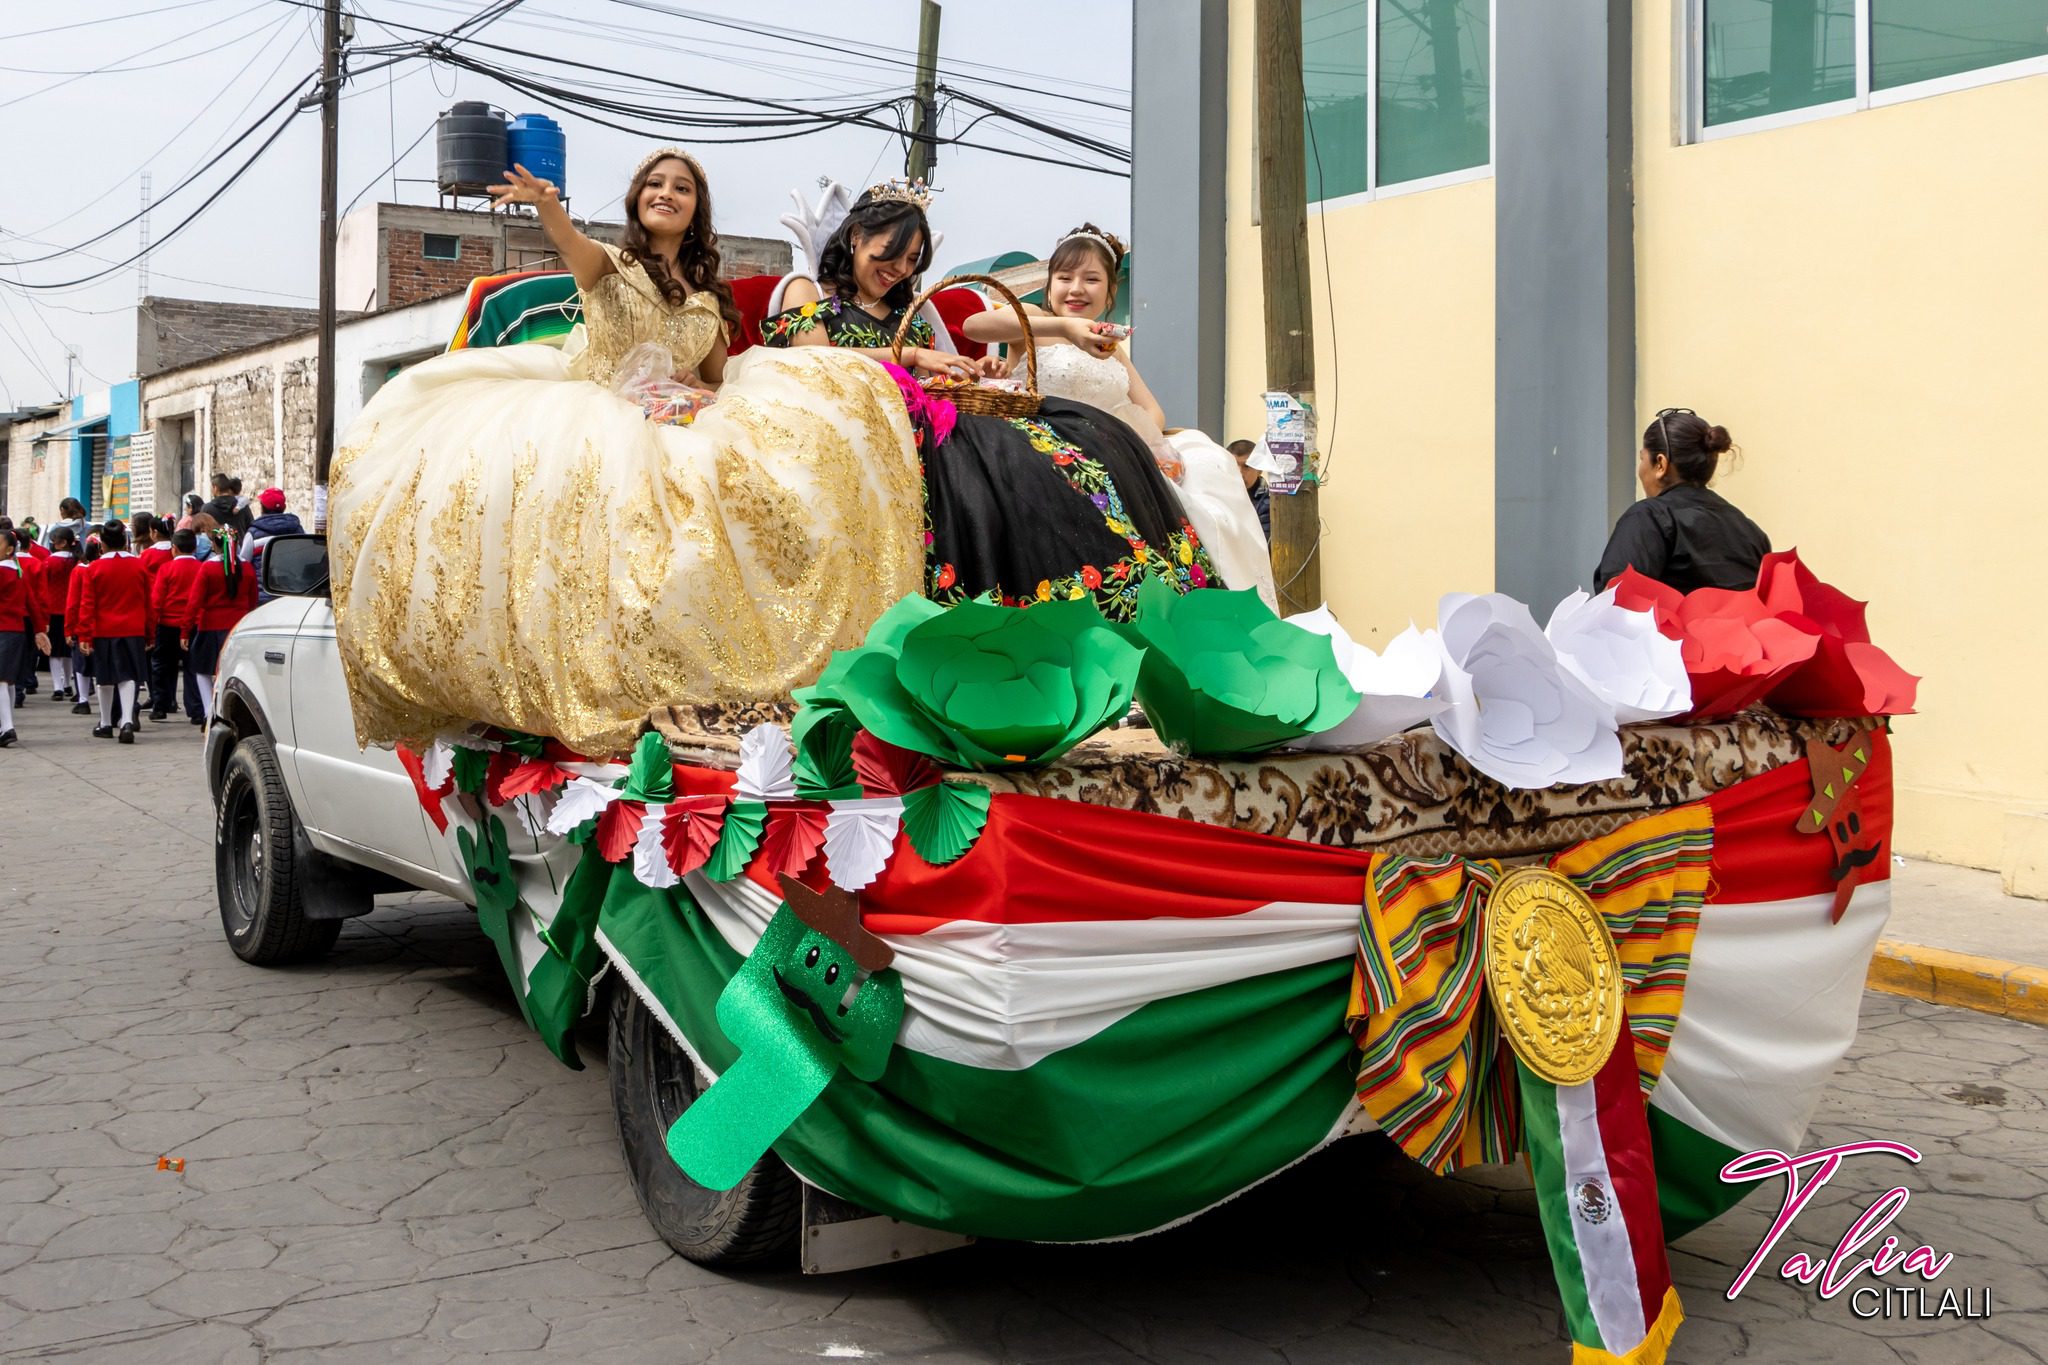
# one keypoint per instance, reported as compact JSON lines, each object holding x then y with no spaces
{"x":1553,"y":975}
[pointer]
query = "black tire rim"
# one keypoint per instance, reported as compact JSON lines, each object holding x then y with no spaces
{"x":669,"y":1081}
{"x":242,"y":835}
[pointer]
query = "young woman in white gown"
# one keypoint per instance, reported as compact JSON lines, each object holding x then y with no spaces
{"x":516,"y":544}
{"x":1077,"y":363}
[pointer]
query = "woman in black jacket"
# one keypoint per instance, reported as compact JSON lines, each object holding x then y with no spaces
{"x":1683,"y":533}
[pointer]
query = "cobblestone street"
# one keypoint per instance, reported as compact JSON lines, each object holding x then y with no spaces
{"x":381,"y":1163}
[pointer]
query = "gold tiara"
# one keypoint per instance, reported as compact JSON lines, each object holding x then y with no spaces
{"x":664,"y":154}
{"x":900,"y":192}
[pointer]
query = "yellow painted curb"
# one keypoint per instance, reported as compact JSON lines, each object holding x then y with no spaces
{"x":1988,"y":985}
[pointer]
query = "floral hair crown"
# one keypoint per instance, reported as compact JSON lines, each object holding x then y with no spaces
{"x":900,"y":192}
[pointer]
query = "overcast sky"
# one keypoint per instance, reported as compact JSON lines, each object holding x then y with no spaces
{"x":126,"y":86}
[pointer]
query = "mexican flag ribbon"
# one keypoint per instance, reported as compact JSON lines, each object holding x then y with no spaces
{"x":1596,"y":1192}
{"x":1434,"y":1072}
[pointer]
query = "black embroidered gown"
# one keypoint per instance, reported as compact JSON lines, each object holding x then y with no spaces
{"x":1066,"y":504}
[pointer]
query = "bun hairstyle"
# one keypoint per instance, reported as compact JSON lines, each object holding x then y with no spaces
{"x":698,"y":259}
{"x":114,"y":536}
{"x":1692,"y":444}
{"x":1085,"y":241}
{"x":897,"y":221}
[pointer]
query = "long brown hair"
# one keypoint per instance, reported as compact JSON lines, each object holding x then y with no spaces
{"x":697,"y":259}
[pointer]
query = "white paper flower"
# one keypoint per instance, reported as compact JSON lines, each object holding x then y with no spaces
{"x":531,"y":811}
{"x":579,"y":801}
{"x":1516,"y":714}
{"x":436,"y":764}
{"x":764,"y":771}
{"x":650,"y":859}
{"x":1394,"y":688}
{"x":1622,"y":656}
{"x":860,"y":834}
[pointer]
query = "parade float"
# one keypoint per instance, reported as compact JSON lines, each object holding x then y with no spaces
{"x":945,"y":940}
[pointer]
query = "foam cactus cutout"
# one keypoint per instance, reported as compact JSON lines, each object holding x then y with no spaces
{"x":813,"y":996}
{"x":487,"y":859}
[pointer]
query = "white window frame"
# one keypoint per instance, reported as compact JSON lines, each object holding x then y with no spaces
{"x":1689,"y":27}
{"x":1374,"y":190}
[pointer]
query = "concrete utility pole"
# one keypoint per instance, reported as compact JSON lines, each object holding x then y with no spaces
{"x":330,"y":121}
{"x":924,"y":153}
{"x":1284,"y":269}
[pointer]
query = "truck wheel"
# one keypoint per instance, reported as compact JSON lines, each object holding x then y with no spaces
{"x":653,"y":1081}
{"x":255,"y":876}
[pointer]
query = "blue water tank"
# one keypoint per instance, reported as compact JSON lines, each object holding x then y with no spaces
{"x":536,"y":142}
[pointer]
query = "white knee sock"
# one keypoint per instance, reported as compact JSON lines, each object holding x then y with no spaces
{"x":6,"y":709}
{"x":105,"y":697}
{"x":206,"y":695}
{"x":128,"y":716}
{"x":60,"y":673}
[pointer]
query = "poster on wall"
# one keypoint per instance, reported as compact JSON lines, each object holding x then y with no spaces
{"x":142,"y":472}
{"x":117,"y":479}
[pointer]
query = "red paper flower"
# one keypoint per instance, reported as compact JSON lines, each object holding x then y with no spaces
{"x":617,"y":828}
{"x":1735,"y":650}
{"x":1847,"y":675}
{"x":527,"y":777}
{"x":690,"y":830}
{"x":795,"y":833}
{"x":886,"y":770}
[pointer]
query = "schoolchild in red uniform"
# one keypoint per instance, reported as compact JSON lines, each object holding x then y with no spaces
{"x":21,"y":615}
{"x":115,"y":622}
{"x":57,"y":572}
{"x":20,"y":680}
{"x":82,"y":685}
{"x":171,"y":596}
{"x":223,"y":592}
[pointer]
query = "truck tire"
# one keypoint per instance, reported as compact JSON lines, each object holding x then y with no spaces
{"x":255,"y":872}
{"x":653,"y":1081}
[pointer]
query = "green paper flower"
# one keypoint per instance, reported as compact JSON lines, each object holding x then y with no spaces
{"x":652,"y":776}
{"x":738,"y":838}
{"x":982,"y":685}
{"x":944,"y":819}
{"x":823,"y":768}
{"x":470,"y":766}
{"x":1223,"y":675}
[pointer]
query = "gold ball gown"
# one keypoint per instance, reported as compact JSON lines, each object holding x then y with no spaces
{"x":514,"y":544}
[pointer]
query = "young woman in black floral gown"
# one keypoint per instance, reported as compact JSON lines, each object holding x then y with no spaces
{"x":1067,"y":504}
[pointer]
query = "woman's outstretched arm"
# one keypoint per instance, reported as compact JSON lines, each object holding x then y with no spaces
{"x":1140,"y":394}
{"x":586,"y":260}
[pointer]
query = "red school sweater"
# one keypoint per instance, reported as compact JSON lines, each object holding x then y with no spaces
{"x":21,"y":599}
{"x":57,"y":573}
{"x":212,"y":605}
{"x":171,"y":595}
{"x":113,"y":604}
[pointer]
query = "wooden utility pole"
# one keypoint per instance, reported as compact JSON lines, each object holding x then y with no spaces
{"x":1284,"y":269}
{"x":924,"y":152}
{"x":330,"y":121}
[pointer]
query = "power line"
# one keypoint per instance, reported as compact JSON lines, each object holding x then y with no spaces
{"x":190,"y":180}
{"x":188,"y":125}
{"x":119,"y":66}
{"x":107,"y":19}
{"x":182,"y":224}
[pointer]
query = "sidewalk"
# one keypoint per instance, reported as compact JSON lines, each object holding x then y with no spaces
{"x":1955,"y":938}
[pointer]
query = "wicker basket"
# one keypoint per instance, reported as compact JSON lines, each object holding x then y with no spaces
{"x":973,"y":397}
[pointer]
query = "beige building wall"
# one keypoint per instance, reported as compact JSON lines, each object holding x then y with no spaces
{"x":1404,"y":377}
{"x":1858,"y":299}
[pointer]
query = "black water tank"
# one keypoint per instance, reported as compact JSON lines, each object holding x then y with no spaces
{"x":469,"y":146}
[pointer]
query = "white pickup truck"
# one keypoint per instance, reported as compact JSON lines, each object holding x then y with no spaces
{"x":309,"y":829}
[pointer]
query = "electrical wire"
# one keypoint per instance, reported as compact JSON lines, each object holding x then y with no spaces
{"x":119,"y":67}
{"x":106,"y":19}
{"x":225,"y":86}
{"x":182,"y":185}
{"x":182,"y":224}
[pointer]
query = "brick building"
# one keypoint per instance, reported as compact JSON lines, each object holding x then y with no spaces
{"x":392,"y":255}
